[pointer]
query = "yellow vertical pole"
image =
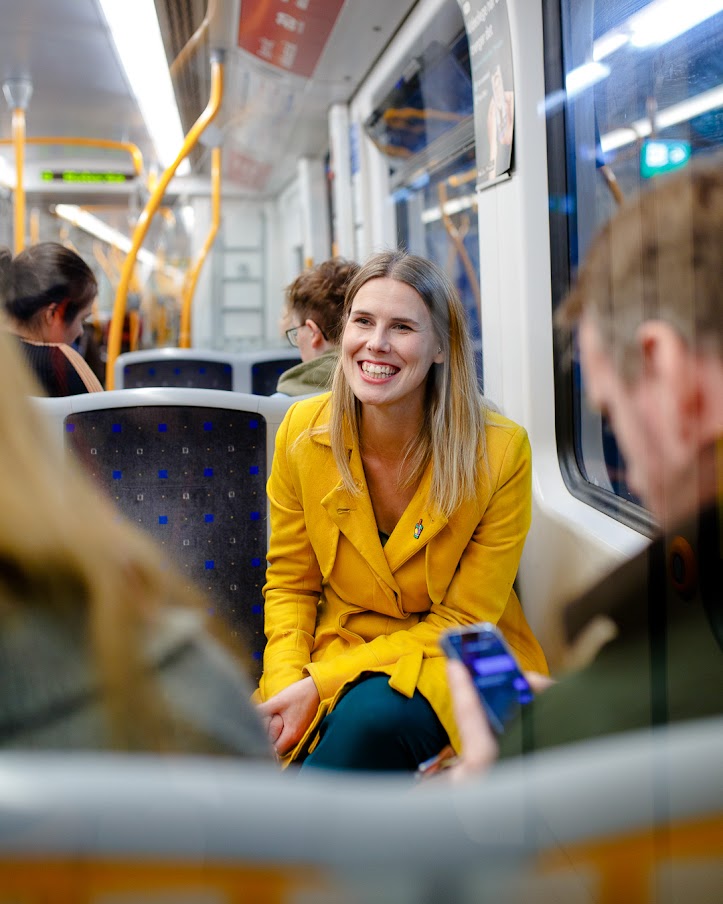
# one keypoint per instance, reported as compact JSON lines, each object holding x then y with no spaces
{"x":115,"y":333}
{"x":192,"y":280}
{"x":19,"y":195}
{"x":34,"y":226}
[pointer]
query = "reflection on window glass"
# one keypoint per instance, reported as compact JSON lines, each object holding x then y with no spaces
{"x":437,"y":218}
{"x":643,"y":94}
{"x":425,"y":128}
{"x":432,"y":97}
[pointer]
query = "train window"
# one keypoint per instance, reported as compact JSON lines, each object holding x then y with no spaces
{"x":432,"y":96}
{"x":425,"y":128}
{"x":437,"y":218}
{"x":634,"y":88}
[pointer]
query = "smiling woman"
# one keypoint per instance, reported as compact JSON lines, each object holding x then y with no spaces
{"x":399,"y":507}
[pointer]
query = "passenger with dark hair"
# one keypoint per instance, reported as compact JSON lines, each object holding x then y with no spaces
{"x":47,"y":292}
{"x":314,"y":304}
{"x":399,"y":507}
{"x":648,"y":307}
{"x":102,"y":646}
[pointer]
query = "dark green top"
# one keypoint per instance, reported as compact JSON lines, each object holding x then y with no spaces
{"x":666,"y":663}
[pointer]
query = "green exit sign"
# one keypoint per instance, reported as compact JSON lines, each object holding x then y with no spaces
{"x":659,"y":156}
{"x":83,"y":176}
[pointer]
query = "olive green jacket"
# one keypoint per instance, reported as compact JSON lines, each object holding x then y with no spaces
{"x":309,"y":376}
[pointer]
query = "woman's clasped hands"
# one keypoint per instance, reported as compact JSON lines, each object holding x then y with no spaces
{"x":288,"y":714}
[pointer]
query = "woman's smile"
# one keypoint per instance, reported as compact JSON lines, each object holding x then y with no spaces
{"x":378,"y":372}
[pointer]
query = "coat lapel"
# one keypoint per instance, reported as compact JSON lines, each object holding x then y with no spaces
{"x":354,"y":516}
{"x":417,"y":526}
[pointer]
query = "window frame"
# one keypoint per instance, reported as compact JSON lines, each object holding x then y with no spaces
{"x":560,"y":162}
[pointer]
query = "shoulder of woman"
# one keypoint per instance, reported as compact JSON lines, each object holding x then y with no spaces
{"x":501,"y":432}
{"x":81,"y":367}
{"x":180,"y":635}
{"x":309,"y":413}
{"x":205,"y":685}
{"x":174,"y":627}
{"x":495,"y":421}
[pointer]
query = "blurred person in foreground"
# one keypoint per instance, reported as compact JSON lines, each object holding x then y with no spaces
{"x":47,"y":291}
{"x":101,"y":646}
{"x":314,"y":306}
{"x":648,"y":308}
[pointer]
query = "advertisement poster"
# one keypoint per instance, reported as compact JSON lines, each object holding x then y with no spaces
{"x":289,"y":34}
{"x":490,"y":54}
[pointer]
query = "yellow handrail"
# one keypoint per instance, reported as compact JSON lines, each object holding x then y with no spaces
{"x":457,"y":240}
{"x":190,"y":46}
{"x":144,"y":221}
{"x":34,"y":226}
{"x":18,"y":140}
{"x":105,"y":264}
{"x":189,"y":288}
{"x":132,"y":149}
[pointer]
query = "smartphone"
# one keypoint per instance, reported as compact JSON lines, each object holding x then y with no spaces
{"x":501,"y":686}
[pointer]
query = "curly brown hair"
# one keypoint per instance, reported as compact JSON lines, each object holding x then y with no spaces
{"x":318,"y":294}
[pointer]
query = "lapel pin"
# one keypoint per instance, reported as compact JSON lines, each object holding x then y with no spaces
{"x":418,"y":528}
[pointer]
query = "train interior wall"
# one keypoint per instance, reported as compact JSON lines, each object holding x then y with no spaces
{"x":570,"y":543}
{"x":264,"y":242}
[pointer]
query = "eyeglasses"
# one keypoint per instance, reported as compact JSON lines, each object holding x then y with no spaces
{"x":293,"y":335}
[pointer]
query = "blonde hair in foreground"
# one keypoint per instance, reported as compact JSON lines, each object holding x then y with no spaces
{"x":451,"y":435}
{"x":66,"y":550}
{"x":659,"y":258}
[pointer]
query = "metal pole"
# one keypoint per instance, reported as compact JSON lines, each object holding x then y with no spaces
{"x":115,"y":332}
{"x":17,"y":93}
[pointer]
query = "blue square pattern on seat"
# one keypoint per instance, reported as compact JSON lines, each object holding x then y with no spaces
{"x":192,"y":373}
{"x":198,"y":487}
{"x":265,"y":374}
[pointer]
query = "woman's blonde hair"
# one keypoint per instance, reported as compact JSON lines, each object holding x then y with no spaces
{"x":66,"y":551}
{"x":452,"y":433}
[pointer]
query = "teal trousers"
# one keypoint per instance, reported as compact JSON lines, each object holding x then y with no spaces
{"x":377,"y":729}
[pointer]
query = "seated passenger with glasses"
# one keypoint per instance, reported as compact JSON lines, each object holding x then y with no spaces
{"x":47,"y":292}
{"x":314,"y":303}
{"x":648,"y":308}
{"x":399,"y":507}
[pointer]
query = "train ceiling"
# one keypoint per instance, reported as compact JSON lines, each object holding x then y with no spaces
{"x":277,"y":90}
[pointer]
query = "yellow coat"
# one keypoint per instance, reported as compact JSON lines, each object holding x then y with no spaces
{"x":338,"y":604}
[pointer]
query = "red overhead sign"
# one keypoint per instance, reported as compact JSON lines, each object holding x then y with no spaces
{"x":289,"y":34}
{"x":246,"y":171}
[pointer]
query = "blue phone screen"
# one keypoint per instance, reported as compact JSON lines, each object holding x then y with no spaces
{"x":499,"y":682}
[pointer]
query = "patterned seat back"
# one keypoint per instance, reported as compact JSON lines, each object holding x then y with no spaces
{"x":254,"y":372}
{"x":190,"y":468}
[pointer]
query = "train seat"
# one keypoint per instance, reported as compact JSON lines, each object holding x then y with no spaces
{"x":190,"y":467}
{"x":632,"y":817}
{"x":255,"y":372}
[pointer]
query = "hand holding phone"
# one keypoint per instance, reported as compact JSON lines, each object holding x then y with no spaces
{"x":500,"y":685}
